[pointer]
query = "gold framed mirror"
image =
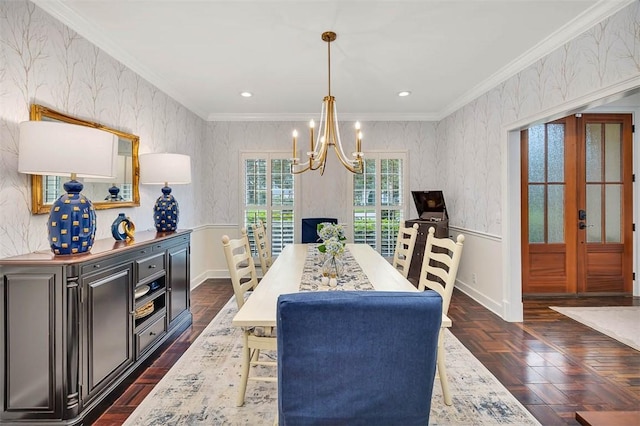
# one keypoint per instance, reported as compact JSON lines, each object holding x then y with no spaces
{"x":103,"y":193}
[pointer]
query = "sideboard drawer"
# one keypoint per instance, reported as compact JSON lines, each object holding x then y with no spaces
{"x":149,"y":335}
{"x":150,"y":266}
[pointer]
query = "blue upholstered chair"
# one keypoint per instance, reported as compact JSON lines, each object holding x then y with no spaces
{"x":357,"y":358}
{"x":310,"y":228}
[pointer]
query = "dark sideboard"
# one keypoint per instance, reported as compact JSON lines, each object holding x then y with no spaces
{"x":75,"y":327}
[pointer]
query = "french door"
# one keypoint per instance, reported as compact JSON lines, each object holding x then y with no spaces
{"x":577,"y":206}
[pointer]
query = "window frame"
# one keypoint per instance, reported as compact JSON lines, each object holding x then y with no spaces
{"x":268,"y":156}
{"x":378,"y":156}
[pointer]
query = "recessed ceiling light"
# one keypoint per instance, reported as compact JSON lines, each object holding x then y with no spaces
{"x":404,"y":93}
{"x":246,"y":94}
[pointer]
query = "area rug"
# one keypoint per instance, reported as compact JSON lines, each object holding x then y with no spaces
{"x":201,"y":388}
{"x":619,"y":322}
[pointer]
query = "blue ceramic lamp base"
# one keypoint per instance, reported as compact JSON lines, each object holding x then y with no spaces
{"x":72,"y":222}
{"x":165,"y":212}
{"x":114,"y":194}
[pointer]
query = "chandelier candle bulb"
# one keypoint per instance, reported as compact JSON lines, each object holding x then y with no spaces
{"x":295,"y":148}
{"x":312,"y":124}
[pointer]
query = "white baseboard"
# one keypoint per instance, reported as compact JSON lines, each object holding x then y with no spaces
{"x":488,"y":303}
{"x":215,"y":273}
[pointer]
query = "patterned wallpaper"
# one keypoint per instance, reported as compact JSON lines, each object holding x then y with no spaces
{"x":321,"y":196}
{"x":468,"y":141}
{"x":42,"y":61}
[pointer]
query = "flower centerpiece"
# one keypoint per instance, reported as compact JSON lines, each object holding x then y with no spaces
{"x":333,"y":242}
{"x":328,"y":230}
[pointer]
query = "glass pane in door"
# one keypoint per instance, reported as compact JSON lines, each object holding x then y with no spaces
{"x":613,"y":152}
{"x":536,"y":155}
{"x":555,"y":153}
{"x":546,"y":154}
{"x":555,"y":214}
{"x":593,"y":143}
{"x":536,"y":213}
{"x":594,"y":213}
{"x":613,"y":213}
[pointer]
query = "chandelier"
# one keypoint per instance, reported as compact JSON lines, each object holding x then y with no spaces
{"x":328,"y":134}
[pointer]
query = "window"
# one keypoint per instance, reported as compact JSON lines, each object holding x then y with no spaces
{"x":126,"y":191}
{"x":379,"y":201}
{"x":269,"y":195}
{"x":546,"y":183}
{"x":52,"y":187}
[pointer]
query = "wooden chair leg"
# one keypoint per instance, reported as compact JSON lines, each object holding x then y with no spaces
{"x":244,"y":376}
{"x":442,"y":370}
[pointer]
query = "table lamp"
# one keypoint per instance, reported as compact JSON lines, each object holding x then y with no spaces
{"x":123,"y":176}
{"x":63,"y":149}
{"x":162,"y":169}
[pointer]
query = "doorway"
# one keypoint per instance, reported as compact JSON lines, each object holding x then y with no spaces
{"x":577,"y":206}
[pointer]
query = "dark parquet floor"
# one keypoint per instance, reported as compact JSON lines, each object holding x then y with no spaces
{"x":552,"y":364}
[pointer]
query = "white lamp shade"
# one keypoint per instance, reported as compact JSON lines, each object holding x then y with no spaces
{"x":164,"y":168}
{"x":60,"y":149}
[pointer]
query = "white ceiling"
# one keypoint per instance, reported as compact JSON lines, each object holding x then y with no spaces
{"x":204,"y":53}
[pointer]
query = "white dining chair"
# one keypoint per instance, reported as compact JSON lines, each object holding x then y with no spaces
{"x":244,"y":279}
{"x":438,"y":273}
{"x":405,"y":243}
{"x":263,"y":245}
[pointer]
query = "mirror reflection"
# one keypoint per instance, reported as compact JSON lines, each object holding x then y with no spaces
{"x":104,"y":193}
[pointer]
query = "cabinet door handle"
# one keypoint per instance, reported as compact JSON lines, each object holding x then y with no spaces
{"x":151,"y":333}
{"x":96,"y":266}
{"x":152,"y":266}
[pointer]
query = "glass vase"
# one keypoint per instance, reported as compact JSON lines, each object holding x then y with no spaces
{"x":332,"y":267}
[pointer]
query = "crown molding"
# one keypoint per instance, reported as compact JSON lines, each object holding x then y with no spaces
{"x":595,"y":14}
{"x":583,"y":22}
{"x":307,"y":116}
{"x":59,"y":10}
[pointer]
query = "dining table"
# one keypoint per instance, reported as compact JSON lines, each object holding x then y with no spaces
{"x":299,"y":268}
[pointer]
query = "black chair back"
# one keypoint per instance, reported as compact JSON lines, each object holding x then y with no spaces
{"x":310,"y":228}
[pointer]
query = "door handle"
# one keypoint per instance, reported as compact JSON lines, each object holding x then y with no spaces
{"x":582,"y":225}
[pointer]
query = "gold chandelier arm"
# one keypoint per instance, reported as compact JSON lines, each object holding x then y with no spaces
{"x":321,"y":158}
{"x":354,"y":166}
{"x":298,"y":171}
